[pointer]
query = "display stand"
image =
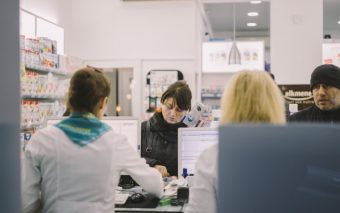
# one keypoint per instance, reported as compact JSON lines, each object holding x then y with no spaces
{"x":44,"y":82}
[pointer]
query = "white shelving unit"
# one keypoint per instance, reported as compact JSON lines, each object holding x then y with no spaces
{"x":212,"y":87}
{"x":44,"y":82}
{"x":42,"y":96}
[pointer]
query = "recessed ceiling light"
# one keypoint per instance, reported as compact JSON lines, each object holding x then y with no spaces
{"x":338,"y":22}
{"x":255,"y":2}
{"x":251,"y":24}
{"x":253,"y":14}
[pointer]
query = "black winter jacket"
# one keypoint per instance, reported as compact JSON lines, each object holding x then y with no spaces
{"x":159,"y":143}
{"x":314,"y":114}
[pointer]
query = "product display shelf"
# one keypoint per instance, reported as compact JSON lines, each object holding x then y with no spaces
{"x":44,"y":81}
{"x":43,"y":93}
{"x":42,"y":97}
{"x":212,"y":86}
{"x":211,"y":96}
{"x":45,"y":70}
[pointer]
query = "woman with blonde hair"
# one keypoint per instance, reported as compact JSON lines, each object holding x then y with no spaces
{"x":250,"y":97}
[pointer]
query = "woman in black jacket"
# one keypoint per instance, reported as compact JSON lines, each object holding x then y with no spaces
{"x":159,"y":133}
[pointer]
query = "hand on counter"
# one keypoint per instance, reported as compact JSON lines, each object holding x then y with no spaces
{"x":162,"y":170}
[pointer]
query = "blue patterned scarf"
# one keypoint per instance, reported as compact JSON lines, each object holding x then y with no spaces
{"x":83,"y":128}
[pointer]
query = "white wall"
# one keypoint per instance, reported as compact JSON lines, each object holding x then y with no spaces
{"x":296,"y":39}
{"x":114,"y":29}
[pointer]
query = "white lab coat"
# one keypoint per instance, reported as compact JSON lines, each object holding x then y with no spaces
{"x":65,"y":177}
{"x":203,"y":193}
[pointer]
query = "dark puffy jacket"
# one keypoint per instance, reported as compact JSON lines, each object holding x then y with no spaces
{"x":314,"y":114}
{"x":159,"y":143}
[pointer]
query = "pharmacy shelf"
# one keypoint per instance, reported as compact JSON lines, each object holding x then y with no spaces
{"x":42,"y":97}
{"x":211,"y":96}
{"x":45,"y":70}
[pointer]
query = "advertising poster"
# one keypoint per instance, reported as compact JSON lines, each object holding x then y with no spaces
{"x":297,"y":96}
{"x":215,"y":56}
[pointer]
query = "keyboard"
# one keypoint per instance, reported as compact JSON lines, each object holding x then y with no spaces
{"x":121,"y":198}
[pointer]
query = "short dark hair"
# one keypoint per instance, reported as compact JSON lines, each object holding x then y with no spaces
{"x":87,"y":86}
{"x":181,"y":94}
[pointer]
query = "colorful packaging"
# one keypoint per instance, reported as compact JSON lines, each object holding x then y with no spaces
{"x":47,"y":59}
{"x":45,"y":45}
{"x":32,"y":44}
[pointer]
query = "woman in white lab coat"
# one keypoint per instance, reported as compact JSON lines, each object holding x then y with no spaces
{"x":250,"y":97}
{"x":75,"y":165}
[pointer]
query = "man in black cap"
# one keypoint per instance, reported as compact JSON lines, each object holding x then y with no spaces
{"x":325,"y":86}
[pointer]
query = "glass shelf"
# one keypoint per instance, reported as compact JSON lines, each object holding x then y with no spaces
{"x":42,"y":97}
{"x":46,"y":70}
{"x":211,"y":96}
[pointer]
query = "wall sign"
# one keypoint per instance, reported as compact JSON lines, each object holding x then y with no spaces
{"x":215,"y":56}
{"x":298,"y":96}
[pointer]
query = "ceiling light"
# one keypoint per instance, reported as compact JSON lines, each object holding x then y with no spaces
{"x":255,"y":2}
{"x":234,"y":54}
{"x":253,"y":14}
{"x":251,"y":24}
{"x":338,"y":22}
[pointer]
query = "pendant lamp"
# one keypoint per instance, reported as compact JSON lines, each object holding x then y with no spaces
{"x":234,"y":54}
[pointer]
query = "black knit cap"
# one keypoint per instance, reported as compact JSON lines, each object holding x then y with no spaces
{"x":327,"y":74}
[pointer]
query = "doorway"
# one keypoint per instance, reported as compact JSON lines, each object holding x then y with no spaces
{"x":120,"y":100}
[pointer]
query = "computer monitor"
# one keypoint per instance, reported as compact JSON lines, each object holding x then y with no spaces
{"x":265,"y":168}
{"x":127,"y":126}
{"x":191,"y":143}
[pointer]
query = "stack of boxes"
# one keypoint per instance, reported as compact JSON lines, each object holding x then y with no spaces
{"x":41,"y":52}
